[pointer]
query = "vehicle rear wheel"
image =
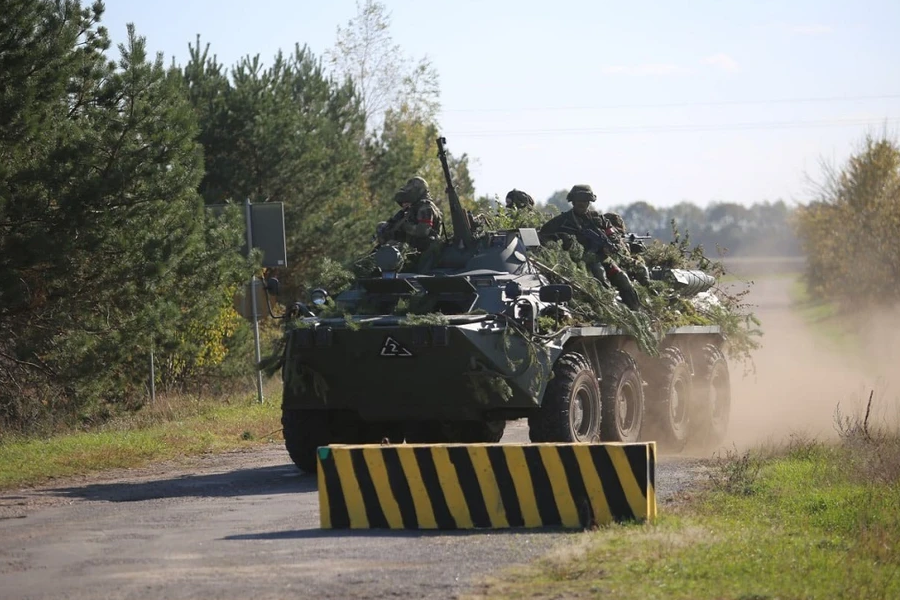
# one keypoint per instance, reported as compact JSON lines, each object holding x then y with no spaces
{"x":304,"y":431}
{"x":622,"y":393}
{"x":713,"y":384}
{"x":570,"y":411}
{"x":672,"y":400}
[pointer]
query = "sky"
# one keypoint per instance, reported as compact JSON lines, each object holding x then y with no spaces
{"x":663,"y":101}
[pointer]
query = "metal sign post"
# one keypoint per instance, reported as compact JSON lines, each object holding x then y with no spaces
{"x":255,"y":318}
{"x":152,"y":376}
{"x":264,"y":223}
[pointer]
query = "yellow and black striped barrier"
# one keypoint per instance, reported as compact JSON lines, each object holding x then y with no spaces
{"x":467,"y":486}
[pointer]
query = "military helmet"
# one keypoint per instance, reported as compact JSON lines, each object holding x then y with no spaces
{"x":414,"y":189}
{"x":581,"y":190}
{"x":616,"y":220}
{"x":518,"y":199}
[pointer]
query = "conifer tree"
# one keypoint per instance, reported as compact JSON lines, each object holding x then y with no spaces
{"x":103,"y":233}
{"x":285,"y":133}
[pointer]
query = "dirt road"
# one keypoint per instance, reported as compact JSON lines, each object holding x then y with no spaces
{"x":801,"y":377}
{"x":245,"y":525}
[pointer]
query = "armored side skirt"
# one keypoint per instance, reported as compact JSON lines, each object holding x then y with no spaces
{"x":472,"y":486}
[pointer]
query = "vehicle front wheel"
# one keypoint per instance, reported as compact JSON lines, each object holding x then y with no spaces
{"x":622,"y":398}
{"x":570,"y":411}
{"x":304,"y":431}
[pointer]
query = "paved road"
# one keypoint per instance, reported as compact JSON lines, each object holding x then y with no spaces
{"x":239,"y":525}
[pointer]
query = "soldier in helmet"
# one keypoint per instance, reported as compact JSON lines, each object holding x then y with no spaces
{"x":592,"y":230}
{"x":519,"y":211}
{"x":419,"y":221}
{"x":517,"y":199}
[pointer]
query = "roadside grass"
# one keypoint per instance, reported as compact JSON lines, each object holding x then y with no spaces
{"x":171,"y":428}
{"x":803,"y":520}
{"x":825,"y":319}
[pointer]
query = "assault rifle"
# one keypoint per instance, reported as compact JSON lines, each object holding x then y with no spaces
{"x":597,"y":241}
{"x":394,"y":223}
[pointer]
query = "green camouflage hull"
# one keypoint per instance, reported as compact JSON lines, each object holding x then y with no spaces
{"x":386,"y":371}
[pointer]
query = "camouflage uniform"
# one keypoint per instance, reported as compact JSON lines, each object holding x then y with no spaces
{"x":630,"y":253}
{"x":576,"y":225}
{"x":419,"y":222}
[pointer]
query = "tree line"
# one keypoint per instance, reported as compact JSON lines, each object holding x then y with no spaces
{"x":108,"y":252}
{"x":762,"y":229}
{"x":850,"y":233}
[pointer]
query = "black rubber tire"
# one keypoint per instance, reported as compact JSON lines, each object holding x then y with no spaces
{"x":570,"y":411}
{"x":622,"y":393}
{"x":713,"y":408}
{"x":304,"y":431}
{"x":671,"y":401}
{"x":535,"y":431}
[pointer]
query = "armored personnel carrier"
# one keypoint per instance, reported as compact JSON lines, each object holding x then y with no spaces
{"x":453,"y":353}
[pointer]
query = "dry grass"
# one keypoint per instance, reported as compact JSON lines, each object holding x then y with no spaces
{"x":872,"y":450}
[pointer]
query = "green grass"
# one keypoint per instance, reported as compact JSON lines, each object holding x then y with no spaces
{"x":168,"y":430}
{"x":800,"y":526}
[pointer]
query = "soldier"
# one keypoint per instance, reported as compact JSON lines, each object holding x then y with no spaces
{"x":518,"y":199}
{"x":419,"y":222}
{"x":520,"y":211}
{"x":592,"y":231}
{"x":631,"y":250}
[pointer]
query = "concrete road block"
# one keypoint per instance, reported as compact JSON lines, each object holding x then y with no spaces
{"x":475,"y":486}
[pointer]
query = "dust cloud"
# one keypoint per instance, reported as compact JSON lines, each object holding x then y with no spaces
{"x":801,"y":377}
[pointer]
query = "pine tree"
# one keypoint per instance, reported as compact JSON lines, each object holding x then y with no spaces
{"x":103,"y":231}
{"x":284,"y":133}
